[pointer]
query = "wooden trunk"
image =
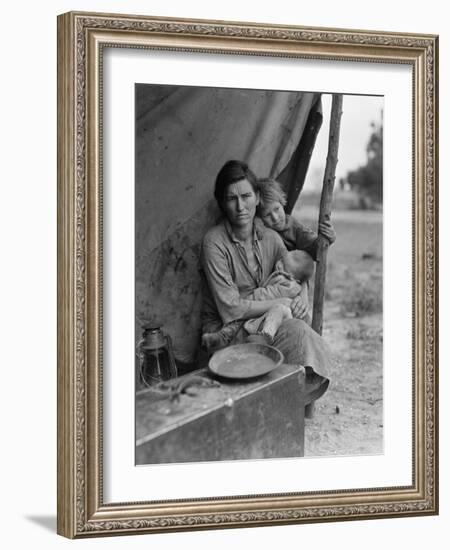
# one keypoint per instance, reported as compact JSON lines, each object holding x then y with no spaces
{"x":262,"y":418}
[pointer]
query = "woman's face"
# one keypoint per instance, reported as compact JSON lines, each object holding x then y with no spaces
{"x":273,"y":215}
{"x":240,"y":202}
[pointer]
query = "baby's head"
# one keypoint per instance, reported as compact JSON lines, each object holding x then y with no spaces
{"x":299,"y":264}
{"x":272,"y":200}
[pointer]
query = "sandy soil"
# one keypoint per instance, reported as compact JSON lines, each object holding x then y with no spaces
{"x":348,"y":419}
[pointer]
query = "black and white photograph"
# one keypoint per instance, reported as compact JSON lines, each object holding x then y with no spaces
{"x":223,"y":236}
{"x":258,"y":274}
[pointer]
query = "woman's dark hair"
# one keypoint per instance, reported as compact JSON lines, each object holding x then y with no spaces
{"x":232,"y":172}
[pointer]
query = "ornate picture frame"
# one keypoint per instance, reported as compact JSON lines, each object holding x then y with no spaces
{"x":82,"y":40}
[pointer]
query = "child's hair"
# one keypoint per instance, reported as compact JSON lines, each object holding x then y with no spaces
{"x":299,"y":264}
{"x":270,"y":191}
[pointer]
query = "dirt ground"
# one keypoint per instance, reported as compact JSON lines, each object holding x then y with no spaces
{"x":348,"y":419}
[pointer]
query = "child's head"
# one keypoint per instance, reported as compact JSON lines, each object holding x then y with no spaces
{"x":299,"y":264}
{"x":271,"y":204}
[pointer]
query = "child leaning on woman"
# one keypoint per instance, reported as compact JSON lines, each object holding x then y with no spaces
{"x":296,"y":267}
{"x":295,"y":235}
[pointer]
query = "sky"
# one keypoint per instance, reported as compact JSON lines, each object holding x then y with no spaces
{"x":358,"y":113}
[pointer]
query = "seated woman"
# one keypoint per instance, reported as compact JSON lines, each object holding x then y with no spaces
{"x":237,"y":256}
{"x":296,"y":266}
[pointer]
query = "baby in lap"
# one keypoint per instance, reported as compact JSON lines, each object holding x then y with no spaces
{"x":295,"y":268}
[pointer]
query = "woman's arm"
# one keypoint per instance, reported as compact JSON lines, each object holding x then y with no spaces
{"x":259,"y":307}
{"x":224,"y":290}
{"x":279,"y":287}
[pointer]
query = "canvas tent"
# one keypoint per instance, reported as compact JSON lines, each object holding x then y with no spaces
{"x":183,"y":137}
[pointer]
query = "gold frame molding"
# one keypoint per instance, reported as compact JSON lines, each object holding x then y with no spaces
{"x":81,"y":37}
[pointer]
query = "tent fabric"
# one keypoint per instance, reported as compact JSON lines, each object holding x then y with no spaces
{"x":293,"y":175}
{"x":183,"y":137}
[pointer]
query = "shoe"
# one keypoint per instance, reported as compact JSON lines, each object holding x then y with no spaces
{"x":315,"y":385}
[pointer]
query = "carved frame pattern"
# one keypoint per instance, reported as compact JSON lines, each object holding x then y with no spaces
{"x":80,"y":508}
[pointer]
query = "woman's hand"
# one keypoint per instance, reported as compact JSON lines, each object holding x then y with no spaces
{"x":327,"y":230}
{"x":299,"y":306}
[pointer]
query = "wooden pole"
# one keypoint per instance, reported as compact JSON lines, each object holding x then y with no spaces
{"x":325,"y":211}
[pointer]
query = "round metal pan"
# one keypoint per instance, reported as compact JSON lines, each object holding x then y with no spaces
{"x":243,"y":361}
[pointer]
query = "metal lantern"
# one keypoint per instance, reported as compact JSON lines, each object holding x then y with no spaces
{"x":157,"y":362}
